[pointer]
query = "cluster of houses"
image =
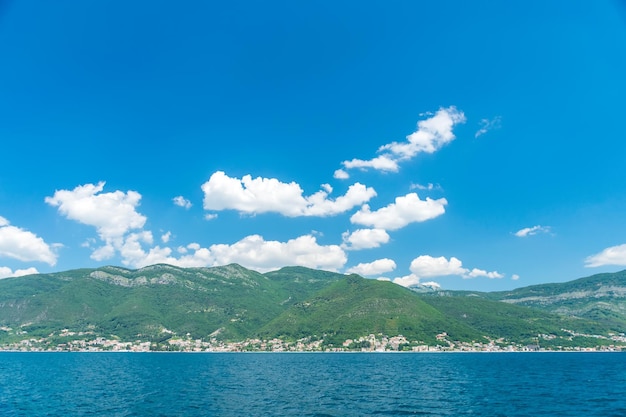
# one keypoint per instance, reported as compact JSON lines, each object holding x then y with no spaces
{"x":84,"y":342}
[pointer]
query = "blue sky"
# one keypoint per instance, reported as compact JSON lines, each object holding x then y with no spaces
{"x":478,"y":145}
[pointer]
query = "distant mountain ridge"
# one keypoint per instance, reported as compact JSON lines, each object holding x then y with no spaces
{"x":161,"y":303}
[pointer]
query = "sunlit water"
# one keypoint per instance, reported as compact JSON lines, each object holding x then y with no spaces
{"x":308,"y":384}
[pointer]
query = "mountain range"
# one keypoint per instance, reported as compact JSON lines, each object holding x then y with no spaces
{"x":161,"y":303}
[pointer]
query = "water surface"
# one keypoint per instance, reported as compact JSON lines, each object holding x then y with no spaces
{"x":312,"y":384}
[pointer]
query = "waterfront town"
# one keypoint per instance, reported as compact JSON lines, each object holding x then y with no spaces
{"x":86,"y":342}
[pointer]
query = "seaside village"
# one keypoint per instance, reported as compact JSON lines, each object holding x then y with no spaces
{"x":85,"y":342}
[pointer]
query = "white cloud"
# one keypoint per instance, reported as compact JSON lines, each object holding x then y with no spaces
{"x":406,"y":209}
{"x":407,"y":280}
{"x":210,"y":216}
{"x":530,"y":231}
{"x":113,"y":214}
{"x":256,"y":253}
{"x":364,"y":239}
{"x":614,"y":255}
{"x":431,"y":135}
{"x":482,"y":273}
{"x":8,"y":273}
{"x":514,"y":277}
{"x":251,"y":252}
{"x":427,"y":187}
{"x":377,"y":267}
{"x":181,"y":201}
{"x":23,"y":245}
{"x":486,"y":125}
{"x":381,"y":163}
{"x":428,"y":266}
{"x":432,"y":284}
{"x":166,"y":237}
{"x":340,"y":174}
{"x":262,"y":195}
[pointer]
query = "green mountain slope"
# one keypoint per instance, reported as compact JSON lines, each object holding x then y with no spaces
{"x":231,"y":303}
{"x":228,"y":301}
{"x":510,"y":322}
{"x":601,"y":298}
{"x":354,"y":307}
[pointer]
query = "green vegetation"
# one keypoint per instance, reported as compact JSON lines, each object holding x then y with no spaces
{"x":230,"y":303}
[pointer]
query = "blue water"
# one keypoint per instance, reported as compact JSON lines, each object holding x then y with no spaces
{"x":309,"y":384}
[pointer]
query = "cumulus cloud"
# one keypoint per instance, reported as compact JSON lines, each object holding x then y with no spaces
{"x":181,"y":201}
{"x":530,"y":231}
{"x":406,"y":209}
{"x":340,"y":174}
{"x":262,"y":195}
{"x":427,"y":187}
{"x":488,"y":124}
{"x":381,"y":163}
{"x":410,"y":280}
{"x":431,"y":134}
{"x":112,"y":214}
{"x":482,"y":273}
{"x":252,"y":252}
{"x":614,"y":255}
{"x":426,"y":266}
{"x":256,"y":253}
{"x":377,"y":267}
{"x":514,"y":277}
{"x":364,"y":239}
{"x":23,"y":245}
{"x":166,"y":237}
{"x":8,"y":273}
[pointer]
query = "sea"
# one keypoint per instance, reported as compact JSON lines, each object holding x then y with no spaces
{"x":312,"y":384}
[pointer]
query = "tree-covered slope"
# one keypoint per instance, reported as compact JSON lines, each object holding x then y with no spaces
{"x":354,"y":307}
{"x":232,"y":303}
{"x":600,"y":297}
{"x":229,"y":302}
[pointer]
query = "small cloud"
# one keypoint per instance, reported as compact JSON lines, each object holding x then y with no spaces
{"x":380,"y":163}
{"x":8,"y":273}
{"x":482,"y":273}
{"x":340,"y":174}
{"x":210,"y":216}
{"x":431,"y":134}
{"x":428,"y":187}
{"x":514,"y":277}
{"x":531,"y":231}
{"x":406,"y":209}
{"x":614,"y":255}
{"x":364,"y":239}
{"x":427,"y":266}
{"x":379,"y":266}
{"x":181,"y":201}
{"x":166,"y":237}
{"x":407,"y":280}
{"x":486,"y":125}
